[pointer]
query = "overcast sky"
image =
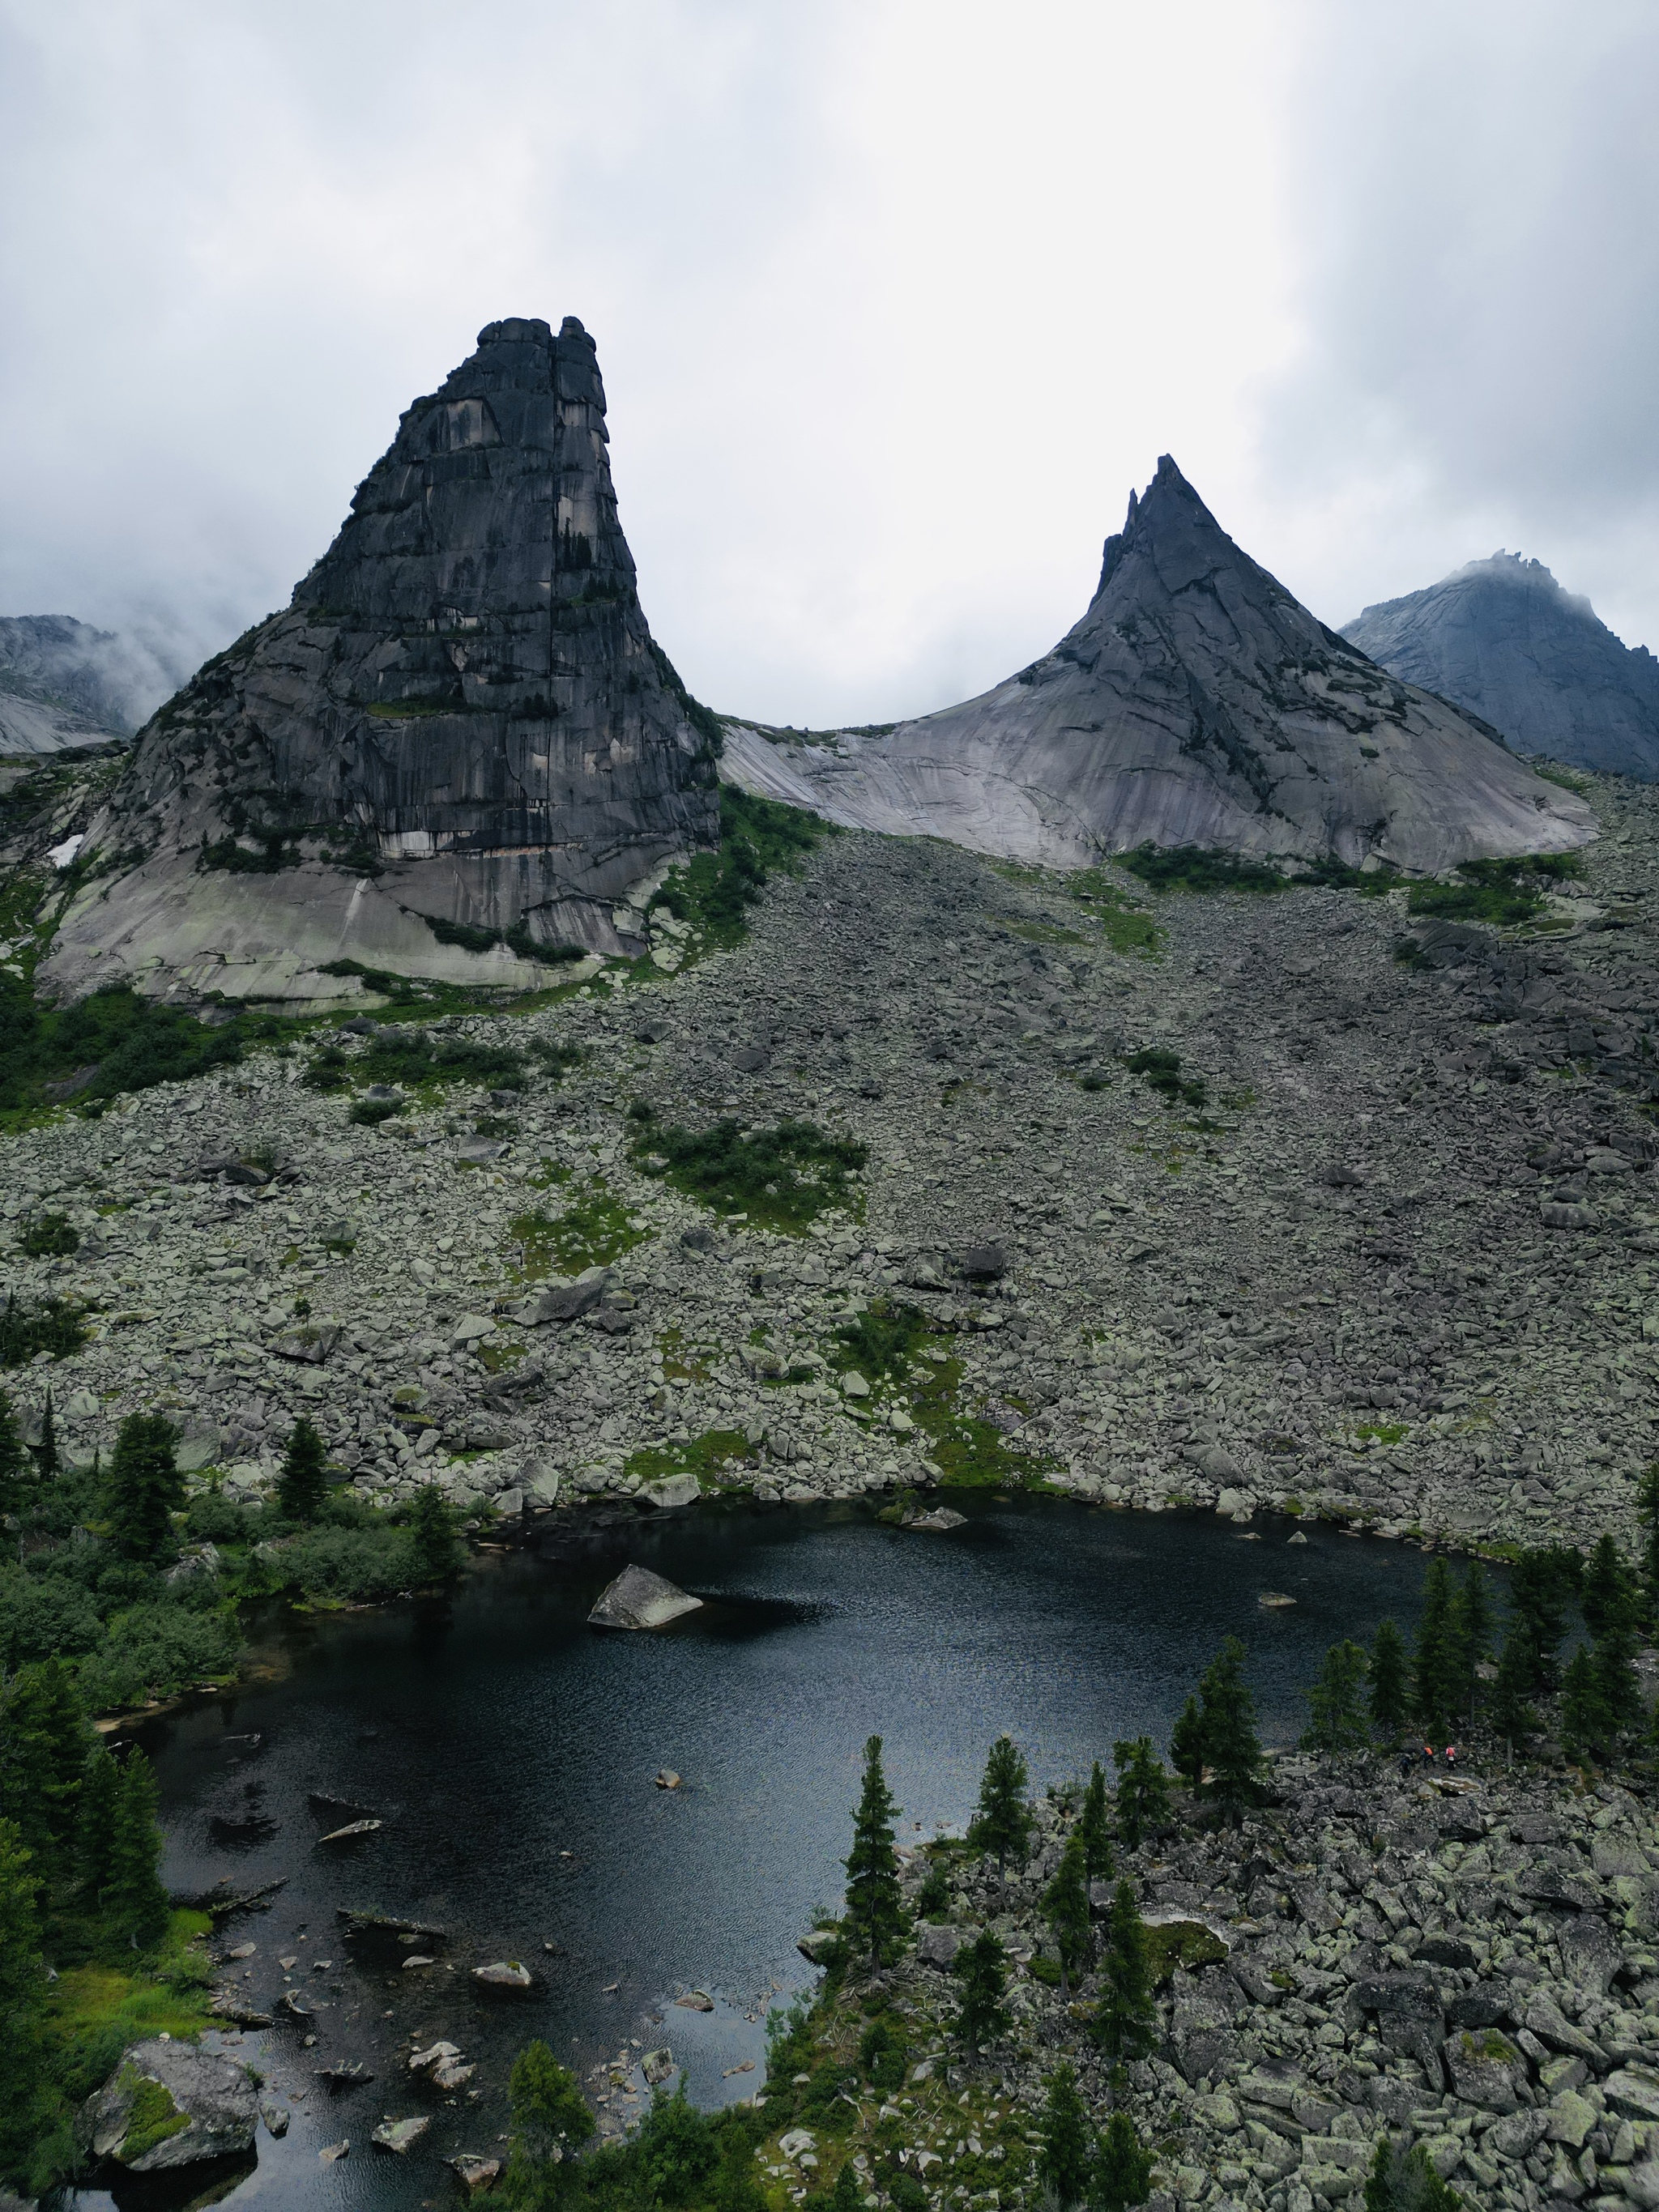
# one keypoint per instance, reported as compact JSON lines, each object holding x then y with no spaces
{"x":896,"y":300}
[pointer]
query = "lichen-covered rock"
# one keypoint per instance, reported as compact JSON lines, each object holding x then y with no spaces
{"x":1195,"y":703}
{"x":451,"y":752}
{"x":168,"y":2104}
{"x":639,"y":1599}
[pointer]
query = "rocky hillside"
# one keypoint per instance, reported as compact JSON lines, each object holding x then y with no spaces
{"x":1195,"y":703}
{"x":1199,"y":1199}
{"x":450,"y":755}
{"x":1503,"y":639}
{"x":64,"y":685}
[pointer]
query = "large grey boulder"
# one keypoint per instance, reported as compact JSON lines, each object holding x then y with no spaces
{"x":1195,"y":703}
{"x":562,"y":1300}
{"x":169,"y":2104}
{"x":1502,"y":638}
{"x":639,"y":1599}
{"x":459,"y":747}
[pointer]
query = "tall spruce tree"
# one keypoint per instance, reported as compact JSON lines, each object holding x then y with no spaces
{"x":17,"y":1476}
{"x":549,"y":2122}
{"x":302,"y":1483}
{"x":1647,"y":1506}
{"x":1095,"y":1828}
{"x":1064,"y":2163}
{"x":1587,"y":1727}
{"x":1003,"y":1822}
{"x":1142,"y":1792}
{"x":1065,"y":1908}
{"x":1543,"y":1582}
{"x":1608,"y":1593}
{"x":1337,"y":1724}
{"x":44,"y":1740}
{"x":1123,"y":2168}
{"x":134,"y":1905}
{"x":1390,"y":1687}
{"x":95,"y":1840}
{"x":1232,"y":1749}
{"x":1125,"y":2018}
{"x":1510,"y":1712}
{"x":1434,"y":1686}
{"x":982,"y":1968}
{"x":875,"y":1913}
{"x":25,"y":2092}
{"x":435,"y":1548}
{"x":143,"y":1489}
{"x":1469,"y":1632}
{"x":1187,"y":1751}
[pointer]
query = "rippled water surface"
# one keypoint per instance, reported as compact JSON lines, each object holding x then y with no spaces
{"x":511,"y":1752}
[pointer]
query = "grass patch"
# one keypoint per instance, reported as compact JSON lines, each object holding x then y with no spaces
{"x":1560,"y":776}
{"x":110,"y":1043}
{"x":882,"y":1344}
{"x":780,"y":1178}
{"x":1186,"y":1943}
{"x":707,"y":1457}
{"x":50,"y":1236}
{"x":42,"y":1325}
{"x":408,"y":1058}
{"x":95,"y":2011}
{"x":971,"y":1454}
{"x":1043,"y":932}
{"x":1385,"y":1433}
{"x":594,"y":1229}
{"x":713,"y":892}
{"x":1194,"y":868}
{"x":1506,"y":893}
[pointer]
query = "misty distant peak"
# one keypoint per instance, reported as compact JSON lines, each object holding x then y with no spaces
{"x":1509,"y":642}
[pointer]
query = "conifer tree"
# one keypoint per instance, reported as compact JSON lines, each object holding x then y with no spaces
{"x":847,"y":2195}
{"x":1434,"y":1697}
{"x":1066,"y":1907}
{"x":1469,"y":1630}
{"x":94,"y":1840}
{"x":46,"y":1463}
{"x":1063,"y":2162}
{"x":1123,"y":2168}
{"x":1390,"y":1700}
{"x":1003,"y":1822}
{"x":25,"y":2097}
{"x":44,"y":1743}
{"x":1187,"y":1744}
{"x":1094,"y":1828}
{"x":549,"y":2121}
{"x":1232,"y":1749}
{"x":1142,"y":1792}
{"x":1586,"y":1724}
{"x":1511,"y":1712}
{"x":143,"y":1489}
{"x":134,"y":1905}
{"x":302,"y":1485}
{"x":435,"y":1547}
{"x":1617,"y":1683}
{"x":875,"y":1914}
{"x":16,"y":1469}
{"x":1337,"y":1724}
{"x":982,"y":1967}
{"x":1542,"y":1583}
{"x":1608,"y":1591}
{"x":1125,"y":2018}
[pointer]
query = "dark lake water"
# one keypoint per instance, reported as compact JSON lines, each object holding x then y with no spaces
{"x":511,"y":1752}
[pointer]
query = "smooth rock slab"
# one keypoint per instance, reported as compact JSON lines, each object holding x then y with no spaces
{"x":639,"y":1599}
{"x":400,"y":2134}
{"x":211,"y":2095}
{"x":672,"y":1491}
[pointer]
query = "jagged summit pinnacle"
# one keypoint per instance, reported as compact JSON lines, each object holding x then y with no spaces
{"x":455,"y":748}
{"x":1504,"y":639}
{"x":1195,"y":701}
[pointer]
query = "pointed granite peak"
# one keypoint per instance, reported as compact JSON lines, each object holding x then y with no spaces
{"x":455,"y":749}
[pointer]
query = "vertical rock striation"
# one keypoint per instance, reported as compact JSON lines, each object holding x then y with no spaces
{"x":449,"y":754}
{"x":1195,"y":703}
{"x":1502,"y":638}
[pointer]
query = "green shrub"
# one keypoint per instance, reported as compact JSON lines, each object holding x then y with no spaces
{"x":759,"y":837}
{"x":1192,"y":868}
{"x":154,"y":1649}
{"x":781,"y":1178}
{"x":1162,"y":1073}
{"x":46,"y":1325}
{"x":371,"y":1112}
{"x":50,"y":1236}
{"x":883,"y":1340}
{"x":347,"y":1565}
{"x":44,"y":1614}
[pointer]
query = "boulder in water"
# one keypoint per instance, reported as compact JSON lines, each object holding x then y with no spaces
{"x":168,"y":2104}
{"x":502,"y":1974}
{"x":639,"y":1599}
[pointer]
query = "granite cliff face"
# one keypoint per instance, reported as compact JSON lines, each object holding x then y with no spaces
{"x":452,"y":751}
{"x":1502,"y":638}
{"x":1196,"y":702}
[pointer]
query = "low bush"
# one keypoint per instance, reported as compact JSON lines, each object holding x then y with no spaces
{"x":780,"y":1178}
{"x":29,"y":1327}
{"x":1193,"y":868}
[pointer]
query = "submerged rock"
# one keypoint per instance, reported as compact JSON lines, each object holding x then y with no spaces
{"x":400,"y":2134}
{"x":639,"y":1599}
{"x":168,"y":2104}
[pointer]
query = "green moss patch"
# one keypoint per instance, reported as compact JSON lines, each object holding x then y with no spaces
{"x":713,"y":892}
{"x":1193,"y":868}
{"x":1505,"y":893}
{"x":594,"y":1230}
{"x":882,"y":1344}
{"x":1186,"y":1943}
{"x":152,"y":2116}
{"x":709,"y":1457}
{"x":779,"y":1178}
